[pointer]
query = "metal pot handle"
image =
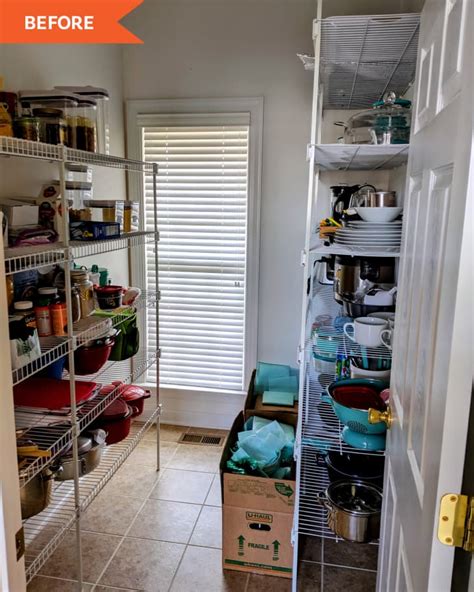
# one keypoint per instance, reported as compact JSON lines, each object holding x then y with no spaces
{"x":323,"y":501}
{"x":83,"y":466}
{"x":55,"y":470}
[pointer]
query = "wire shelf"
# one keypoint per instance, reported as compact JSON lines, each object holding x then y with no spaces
{"x":320,"y":248}
{"x":23,"y":258}
{"x":360,"y":157}
{"x":52,"y":431}
{"x":128,"y":240}
{"x":45,"y":531}
{"x":362,"y":57}
{"x":52,"y":349}
{"x":51,"y":152}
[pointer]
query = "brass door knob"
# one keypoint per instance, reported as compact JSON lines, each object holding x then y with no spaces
{"x":376,"y":416}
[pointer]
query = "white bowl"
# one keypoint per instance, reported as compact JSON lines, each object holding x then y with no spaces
{"x":379,"y":215}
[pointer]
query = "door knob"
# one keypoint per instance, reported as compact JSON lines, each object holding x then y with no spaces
{"x":376,"y":416}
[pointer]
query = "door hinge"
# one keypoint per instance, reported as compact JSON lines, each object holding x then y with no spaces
{"x":20,"y":543}
{"x":310,"y":152}
{"x":456,"y":521}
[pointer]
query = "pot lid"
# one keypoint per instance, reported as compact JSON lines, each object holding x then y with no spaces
{"x":355,"y":497}
{"x":358,"y":466}
{"x":84,"y":444}
{"x":53,"y":95}
{"x":89,"y":91}
{"x":132,"y":393}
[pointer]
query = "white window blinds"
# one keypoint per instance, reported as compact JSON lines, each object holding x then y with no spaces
{"x":202,"y":213}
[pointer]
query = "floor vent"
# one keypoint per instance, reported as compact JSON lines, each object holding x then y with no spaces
{"x":201,"y":439}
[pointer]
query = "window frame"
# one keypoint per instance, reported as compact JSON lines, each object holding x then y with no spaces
{"x":226,"y":106}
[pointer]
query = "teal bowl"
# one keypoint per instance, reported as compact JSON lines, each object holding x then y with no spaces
{"x":368,"y":442}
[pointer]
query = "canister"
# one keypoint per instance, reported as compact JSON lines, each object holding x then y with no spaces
{"x":59,"y":319}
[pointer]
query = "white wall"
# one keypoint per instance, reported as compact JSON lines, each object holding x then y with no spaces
{"x":234,"y":49}
{"x":42,"y":67}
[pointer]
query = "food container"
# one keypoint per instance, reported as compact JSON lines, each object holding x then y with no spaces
{"x":123,"y":212}
{"x":9,"y":101}
{"x":101,"y":97}
{"x":24,"y":342}
{"x":78,"y":173}
{"x":24,"y":309}
{"x":90,"y":447}
{"x":59,"y":319}
{"x":90,"y":358}
{"x":80,"y":278}
{"x":27,"y":128}
{"x":388,"y":122}
{"x":48,"y":295}
{"x":88,"y":230}
{"x":35,"y":496}
{"x":43,"y":321}
{"x":86,"y":129}
{"x":354,"y":509}
{"x":116,"y":420}
{"x":64,"y":105}
{"x":109,"y":297}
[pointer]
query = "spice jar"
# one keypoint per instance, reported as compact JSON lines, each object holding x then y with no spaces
{"x":27,"y":128}
{"x":52,"y":125}
{"x":25,"y":310}
{"x":59,"y":319}
{"x":43,"y":321}
{"x":80,"y":277}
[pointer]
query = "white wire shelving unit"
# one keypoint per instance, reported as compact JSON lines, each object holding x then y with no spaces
{"x":356,"y":60}
{"x":53,"y":431}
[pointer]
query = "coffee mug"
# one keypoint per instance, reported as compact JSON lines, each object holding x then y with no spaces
{"x":388,"y":342}
{"x":367,"y":331}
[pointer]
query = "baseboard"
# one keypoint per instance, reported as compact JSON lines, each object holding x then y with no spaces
{"x":197,"y":409}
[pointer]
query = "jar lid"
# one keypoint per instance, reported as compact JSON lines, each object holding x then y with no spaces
{"x":47,"y":95}
{"x":85,"y":101}
{"x":48,"y":290}
{"x":23,"y":305}
{"x":89,"y":91}
{"x":47,"y":112}
{"x":79,"y":274}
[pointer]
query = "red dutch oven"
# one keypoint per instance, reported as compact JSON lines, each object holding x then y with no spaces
{"x":116,"y":420}
{"x":135,"y":396}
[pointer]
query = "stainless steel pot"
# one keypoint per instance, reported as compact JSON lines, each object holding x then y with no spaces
{"x":90,"y":448}
{"x":354,"y":509}
{"x":380,"y":199}
{"x":35,"y":496}
{"x":350,"y":273}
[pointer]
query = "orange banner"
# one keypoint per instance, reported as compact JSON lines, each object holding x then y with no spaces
{"x":65,"y":21}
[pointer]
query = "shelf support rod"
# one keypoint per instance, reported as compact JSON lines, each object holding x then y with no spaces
{"x":157,"y":312}
{"x":72,"y":384}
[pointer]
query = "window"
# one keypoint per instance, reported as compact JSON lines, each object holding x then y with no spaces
{"x":207,"y":218}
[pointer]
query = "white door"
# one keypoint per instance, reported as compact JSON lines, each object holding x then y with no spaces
{"x":432,"y":359}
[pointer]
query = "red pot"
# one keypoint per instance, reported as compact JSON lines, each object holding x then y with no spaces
{"x":135,"y":396}
{"x":89,"y":360}
{"x":357,"y":397}
{"x":116,"y":420}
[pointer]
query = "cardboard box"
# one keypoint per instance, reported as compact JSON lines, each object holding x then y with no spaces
{"x":257,"y":516}
{"x":254,"y":406}
{"x":19,"y":213}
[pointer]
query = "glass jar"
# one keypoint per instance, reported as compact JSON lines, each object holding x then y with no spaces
{"x":43,"y":321}
{"x":31,"y":100}
{"x":86,"y":131}
{"x":80,"y":277}
{"x":59,"y":319}
{"x":52,"y":125}
{"x":27,"y":128}
{"x":101,"y":96}
{"x":25,"y":310}
{"x":75,"y":303}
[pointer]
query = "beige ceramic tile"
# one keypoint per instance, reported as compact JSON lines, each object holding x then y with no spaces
{"x":133,"y":480}
{"x":350,"y":554}
{"x":214,"y":497}
{"x":183,"y":486}
{"x":165,"y":521}
{"x":97,"y":549}
{"x":110,"y":514}
{"x":208,"y":530}
{"x":168,"y":432}
{"x":141,"y":564}
{"x":45,"y":584}
{"x":201,"y":571}
{"x":196,"y":458}
{"x":309,"y":577}
{"x":145,"y":453}
{"x":259,"y":583}
{"x":109,"y":589}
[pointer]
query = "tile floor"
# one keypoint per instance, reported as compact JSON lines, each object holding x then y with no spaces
{"x":161,"y":532}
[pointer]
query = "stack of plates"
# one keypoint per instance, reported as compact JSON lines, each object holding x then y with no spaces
{"x":362,"y":234}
